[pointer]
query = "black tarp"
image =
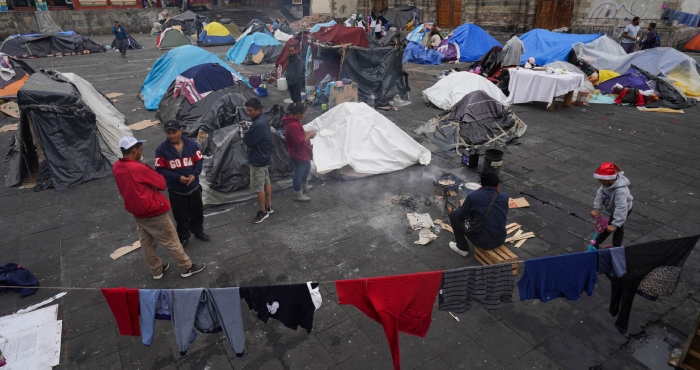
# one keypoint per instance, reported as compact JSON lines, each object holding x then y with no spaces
{"x":490,"y":62}
{"x":186,"y":21}
{"x":132,"y":44}
{"x":400,"y":16}
{"x":181,"y":109}
{"x":53,"y":114}
{"x":377,"y":71}
{"x":672,"y":96}
{"x":226,"y":110}
{"x":257,"y":26}
{"x":284,"y":27}
{"x":392,"y":38}
{"x":227,"y":169}
{"x":476,"y":106}
{"x":270,"y":52}
{"x":42,"y":45}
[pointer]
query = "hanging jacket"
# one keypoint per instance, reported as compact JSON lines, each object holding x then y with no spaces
{"x":566,"y":276}
{"x":13,"y":274}
{"x":298,"y":147}
{"x":140,"y":186}
{"x":258,"y":139}
{"x":493,"y":232}
{"x":171,"y":164}
{"x":615,"y":200}
{"x":153,"y":304}
{"x":292,"y":305}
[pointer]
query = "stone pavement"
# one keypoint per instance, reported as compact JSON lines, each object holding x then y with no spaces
{"x":351,"y":229}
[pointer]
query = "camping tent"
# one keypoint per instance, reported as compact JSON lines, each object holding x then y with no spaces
{"x":215,"y":34}
{"x":300,"y":41}
{"x":166,"y":69}
{"x":318,"y":26}
{"x":221,"y":111}
{"x":377,"y":71}
{"x":416,"y":53}
{"x":171,"y":38}
{"x":547,"y":47}
{"x":255,"y":48}
{"x":356,"y":135}
{"x":131,"y":44}
{"x":473,"y":42}
{"x":198,"y":81}
{"x":58,"y":135}
{"x":451,"y":89}
{"x":233,"y":30}
{"x":255,"y":26}
{"x":693,"y":44}
{"x":631,"y":78}
{"x":449,"y":50}
{"x":186,"y":20}
{"x":338,"y":34}
{"x":13,"y":74}
{"x":45,"y":44}
{"x":400,"y":16}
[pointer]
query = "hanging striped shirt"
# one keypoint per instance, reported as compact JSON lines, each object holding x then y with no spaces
{"x":489,"y":285}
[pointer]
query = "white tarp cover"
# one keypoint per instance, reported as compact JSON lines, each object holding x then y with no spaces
{"x":282,"y":37}
{"x":354,"y":134}
{"x":451,"y":89}
{"x":675,"y":65}
{"x":110,"y":122}
{"x":32,"y":340}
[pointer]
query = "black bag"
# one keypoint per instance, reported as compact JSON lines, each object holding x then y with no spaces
{"x":472,"y":225}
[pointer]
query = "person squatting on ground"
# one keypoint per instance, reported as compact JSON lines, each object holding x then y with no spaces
{"x":295,"y":74}
{"x":493,"y":230}
{"x":179,"y":159}
{"x":299,"y":149}
{"x":629,"y":36}
{"x":140,"y":187}
{"x":614,"y":199}
{"x":258,"y":139}
{"x":122,"y":38}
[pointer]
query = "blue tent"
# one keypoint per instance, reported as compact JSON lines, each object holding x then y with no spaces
{"x":318,"y":26}
{"x":473,"y":42}
{"x":172,"y":64}
{"x":416,"y":53}
{"x":547,"y":47}
{"x":238,"y":52}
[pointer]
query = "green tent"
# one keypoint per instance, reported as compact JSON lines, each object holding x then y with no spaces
{"x":172,"y":38}
{"x":233,"y":29}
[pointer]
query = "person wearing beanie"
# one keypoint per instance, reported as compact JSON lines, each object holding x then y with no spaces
{"x":614,"y":199}
{"x":493,"y":231}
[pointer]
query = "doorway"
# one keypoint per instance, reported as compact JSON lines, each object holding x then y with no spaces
{"x":449,"y":13}
{"x":553,"y":14}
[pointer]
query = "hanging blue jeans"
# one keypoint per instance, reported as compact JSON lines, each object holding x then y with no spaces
{"x":301,"y":173}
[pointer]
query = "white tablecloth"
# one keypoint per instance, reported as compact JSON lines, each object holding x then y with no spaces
{"x":526,"y":85}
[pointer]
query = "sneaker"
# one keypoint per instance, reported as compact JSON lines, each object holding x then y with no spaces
{"x":193,"y":270}
{"x":202,"y":236}
{"x":260,"y":217}
{"x":165,"y":267}
{"x":269,"y":209}
{"x":462,"y":253}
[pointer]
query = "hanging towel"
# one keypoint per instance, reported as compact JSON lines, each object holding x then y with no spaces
{"x":488,"y":285}
{"x":641,"y":260}
{"x":125,"y":308}
{"x":294,"y":304}
{"x":611,"y":261}
{"x":567,"y":276}
{"x":153,"y":304}
{"x":400,"y":303}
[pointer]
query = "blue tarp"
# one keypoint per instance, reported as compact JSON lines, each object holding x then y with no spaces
{"x":417,"y":34}
{"x":318,"y":26}
{"x":238,"y":52}
{"x":473,"y":42}
{"x":417,"y":54}
{"x":547,"y":47}
{"x":206,"y":40}
{"x":172,"y":64}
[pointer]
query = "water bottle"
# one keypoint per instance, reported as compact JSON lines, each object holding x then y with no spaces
{"x":370,"y":100}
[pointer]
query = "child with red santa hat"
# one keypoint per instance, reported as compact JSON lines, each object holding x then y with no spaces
{"x":614,"y":199}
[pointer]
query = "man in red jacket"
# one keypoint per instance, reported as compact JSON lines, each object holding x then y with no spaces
{"x":140,"y":186}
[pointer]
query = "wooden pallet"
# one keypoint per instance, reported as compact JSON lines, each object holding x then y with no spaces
{"x":496,"y":256}
{"x":690,"y":359}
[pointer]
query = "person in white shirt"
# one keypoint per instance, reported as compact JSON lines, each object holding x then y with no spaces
{"x":435,"y":39}
{"x":629,"y":36}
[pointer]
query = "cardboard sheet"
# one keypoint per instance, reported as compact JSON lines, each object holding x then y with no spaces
{"x":124,"y":250}
{"x":10,"y":108}
{"x":518,"y":203}
{"x":143,"y":124}
{"x":7,"y":128}
{"x":114,"y":95}
{"x":33,"y":339}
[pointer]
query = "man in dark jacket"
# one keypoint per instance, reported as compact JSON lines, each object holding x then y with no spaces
{"x":179,"y":159}
{"x":258,"y":139}
{"x":493,"y":232}
{"x":122,"y":38}
{"x":140,"y":187}
{"x":295,"y":74}
{"x":649,"y":41}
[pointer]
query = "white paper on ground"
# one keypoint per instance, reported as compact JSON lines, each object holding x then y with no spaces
{"x":420,"y":221}
{"x":33,"y":339}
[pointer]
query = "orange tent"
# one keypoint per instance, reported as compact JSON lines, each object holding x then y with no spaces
{"x":10,"y":91}
{"x":693,"y":44}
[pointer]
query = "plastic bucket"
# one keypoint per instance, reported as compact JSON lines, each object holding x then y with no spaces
{"x":254,"y":80}
{"x":493,"y":160}
{"x":282,"y":84}
{"x":470,"y":158}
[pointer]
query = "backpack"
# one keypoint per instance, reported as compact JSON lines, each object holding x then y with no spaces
{"x":657,"y":41}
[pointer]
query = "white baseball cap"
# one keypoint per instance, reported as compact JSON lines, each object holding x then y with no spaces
{"x":127,"y":142}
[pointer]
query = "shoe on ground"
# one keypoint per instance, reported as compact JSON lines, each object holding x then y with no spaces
{"x":300,"y":197}
{"x":203,"y":237}
{"x":183,"y":242}
{"x":165,"y":267}
{"x":195,"y":269}
{"x":262,"y":215}
{"x":462,"y":253}
{"x":269,"y":209}
{"x":306,"y":187}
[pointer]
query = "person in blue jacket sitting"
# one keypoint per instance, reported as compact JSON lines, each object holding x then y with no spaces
{"x":179,"y":159}
{"x":493,"y":231}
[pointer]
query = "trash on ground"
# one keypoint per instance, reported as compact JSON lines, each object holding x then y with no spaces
{"x":114,"y":95}
{"x":143,"y":124}
{"x":420,"y":221}
{"x":518,"y":203}
{"x":126,"y":249}
{"x":8,"y":128}
{"x":10,"y":108}
{"x":425,"y":236}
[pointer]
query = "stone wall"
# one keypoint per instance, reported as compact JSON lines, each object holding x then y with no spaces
{"x":85,"y":22}
{"x":501,"y":15}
